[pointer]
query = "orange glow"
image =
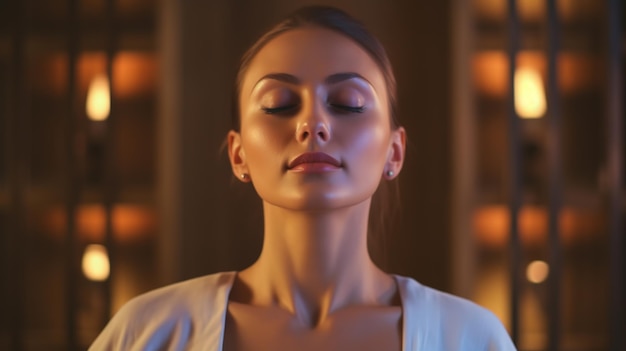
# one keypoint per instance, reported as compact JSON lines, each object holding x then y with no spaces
{"x":130,"y":222}
{"x":134,"y":73}
{"x":492,"y":291}
{"x":537,"y":272}
{"x":533,"y":10}
{"x":90,"y":65}
{"x":530,"y":96}
{"x":490,"y":72}
{"x":576,"y":72}
{"x":491,"y":69}
{"x":95,"y":263}
{"x":98,"y":103}
{"x":491,"y":225}
{"x":497,"y":10}
{"x":579,"y":72}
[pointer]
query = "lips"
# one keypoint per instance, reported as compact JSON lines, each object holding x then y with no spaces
{"x":314,"y":160}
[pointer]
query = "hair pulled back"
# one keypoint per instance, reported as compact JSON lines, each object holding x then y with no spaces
{"x":335,"y":20}
{"x":386,"y":198}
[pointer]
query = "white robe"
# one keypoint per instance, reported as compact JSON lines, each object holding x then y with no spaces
{"x":191,"y":315}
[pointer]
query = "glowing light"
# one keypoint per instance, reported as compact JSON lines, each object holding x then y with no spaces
{"x":537,"y":272}
{"x":98,"y":99}
{"x":530,"y":96}
{"x":96,"y":265}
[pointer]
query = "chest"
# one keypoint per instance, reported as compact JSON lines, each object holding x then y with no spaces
{"x":363,"y":328}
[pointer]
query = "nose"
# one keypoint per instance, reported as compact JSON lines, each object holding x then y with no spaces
{"x":315,"y":125}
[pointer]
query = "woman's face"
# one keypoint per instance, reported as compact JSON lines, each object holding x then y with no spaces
{"x":315,"y":126}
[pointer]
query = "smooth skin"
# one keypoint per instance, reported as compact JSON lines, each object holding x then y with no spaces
{"x":314,"y":286}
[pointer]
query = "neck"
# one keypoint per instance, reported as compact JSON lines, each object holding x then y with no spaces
{"x":314,"y":263}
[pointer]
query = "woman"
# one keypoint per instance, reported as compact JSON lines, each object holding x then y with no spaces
{"x":316,"y":135}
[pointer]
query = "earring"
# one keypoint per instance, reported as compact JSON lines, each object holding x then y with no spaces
{"x":389,"y":173}
{"x":244,"y":176}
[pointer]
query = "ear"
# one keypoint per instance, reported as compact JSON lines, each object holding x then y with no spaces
{"x":395,"y":157}
{"x":237,"y":156}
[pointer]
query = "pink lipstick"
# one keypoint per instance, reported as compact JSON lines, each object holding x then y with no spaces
{"x":314,"y":162}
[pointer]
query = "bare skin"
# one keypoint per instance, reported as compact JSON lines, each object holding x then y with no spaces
{"x":312,"y":91}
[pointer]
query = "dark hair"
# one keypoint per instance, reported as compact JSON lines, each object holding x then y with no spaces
{"x":385,"y":199}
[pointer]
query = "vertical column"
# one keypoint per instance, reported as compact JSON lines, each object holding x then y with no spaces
{"x":615,"y":157}
{"x":16,"y":177}
{"x":109,"y":188}
{"x":169,"y":141}
{"x":72,"y":187}
{"x":515,"y":185}
{"x":464,"y":125}
{"x":202,"y":121}
{"x":554,"y":178}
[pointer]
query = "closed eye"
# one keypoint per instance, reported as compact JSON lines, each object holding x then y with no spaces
{"x":347,"y":108}
{"x":279,"y":109}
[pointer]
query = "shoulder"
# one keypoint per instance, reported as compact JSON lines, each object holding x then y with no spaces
{"x":168,"y":314}
{"x":448,"y":322}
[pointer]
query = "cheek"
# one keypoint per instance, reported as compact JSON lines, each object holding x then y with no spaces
{"x":368,"y":145}
{"x":263,"y":143}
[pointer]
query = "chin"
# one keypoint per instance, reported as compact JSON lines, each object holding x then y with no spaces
{"x":316,"y":201}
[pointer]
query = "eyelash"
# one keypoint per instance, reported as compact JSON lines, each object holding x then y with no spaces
{"x":277,"y":110}
{"x":351,"y":109}
{"x":342,"y":108}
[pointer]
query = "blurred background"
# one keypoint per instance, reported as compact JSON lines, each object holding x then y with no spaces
{"x":113,"y":181}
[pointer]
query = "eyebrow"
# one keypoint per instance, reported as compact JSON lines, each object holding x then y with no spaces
{"x":283,"y":77}
{"x":332,"y":79}
{"x":340,"y":77}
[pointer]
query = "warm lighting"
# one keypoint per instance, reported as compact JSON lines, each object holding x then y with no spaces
{"x":492,"y":225}
{"x":576,"y":72}
{"x":530,"y":97}
{"x":96,"y":265}
{"x":130,"y":223}
{"x":98,"y":99}
{"x":537,"y":272}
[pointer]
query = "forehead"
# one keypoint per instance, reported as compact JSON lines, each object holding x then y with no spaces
{"x":312,"y":54}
